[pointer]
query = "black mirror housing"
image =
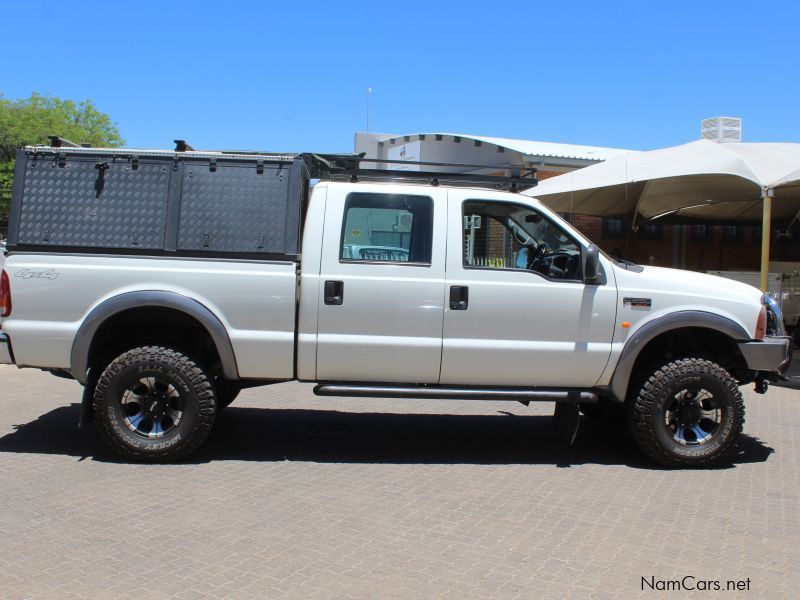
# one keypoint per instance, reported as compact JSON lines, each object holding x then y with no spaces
{"x":591,"y":265}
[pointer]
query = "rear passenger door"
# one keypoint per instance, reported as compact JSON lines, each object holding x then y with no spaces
{"x":381,"y":297}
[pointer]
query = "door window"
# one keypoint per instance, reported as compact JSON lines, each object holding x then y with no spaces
{"x":500,"y":235}
{"x":387,"y":228}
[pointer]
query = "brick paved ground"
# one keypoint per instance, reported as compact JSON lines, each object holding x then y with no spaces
{"x":297,"y":496}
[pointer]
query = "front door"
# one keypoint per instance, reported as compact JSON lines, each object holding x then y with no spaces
{"x":520,"y":314}
{"x":381,"y":297}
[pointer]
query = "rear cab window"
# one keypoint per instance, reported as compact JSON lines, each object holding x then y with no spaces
{"x":387,"y":228}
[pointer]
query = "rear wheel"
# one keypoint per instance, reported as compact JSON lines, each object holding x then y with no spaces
{"x":688,"y":413}
{"x":154,"y":404}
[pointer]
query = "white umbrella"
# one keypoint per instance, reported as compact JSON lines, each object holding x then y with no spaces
{"x":701,"y":179}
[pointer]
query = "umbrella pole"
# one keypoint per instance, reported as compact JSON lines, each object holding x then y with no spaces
{"x":766,"y":230}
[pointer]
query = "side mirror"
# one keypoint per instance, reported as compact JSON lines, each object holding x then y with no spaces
{"x":591,"y":265}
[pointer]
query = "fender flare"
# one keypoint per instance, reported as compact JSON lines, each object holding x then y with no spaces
{"x":79,"y":356}
{"x":677,"y":320}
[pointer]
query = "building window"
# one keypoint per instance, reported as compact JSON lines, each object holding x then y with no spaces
{"x":613,"y":227}
{"x":792,"y":236}
{"x":731,"y":233}
{"x":755,"y":234}
{"x":701,"y":233}
{"x":651,"y":231}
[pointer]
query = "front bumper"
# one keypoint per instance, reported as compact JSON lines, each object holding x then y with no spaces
{"x":772,"y":354}
{"x":6,"y":358}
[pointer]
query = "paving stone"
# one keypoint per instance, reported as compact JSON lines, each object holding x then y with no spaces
{"x":295,"y":496}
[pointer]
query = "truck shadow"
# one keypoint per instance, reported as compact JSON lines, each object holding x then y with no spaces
{"x":254,"y":434}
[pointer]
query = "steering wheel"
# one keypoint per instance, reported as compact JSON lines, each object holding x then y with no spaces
{"x":539,"y":252}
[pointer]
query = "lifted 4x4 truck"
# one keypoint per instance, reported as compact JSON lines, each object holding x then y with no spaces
{"x":165,"y":282}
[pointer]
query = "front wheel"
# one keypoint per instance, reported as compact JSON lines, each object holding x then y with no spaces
{"x":688,"y":414}
{"x":154,"y":404}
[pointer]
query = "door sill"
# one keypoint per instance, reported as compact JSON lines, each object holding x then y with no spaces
{"x":456,"y":393}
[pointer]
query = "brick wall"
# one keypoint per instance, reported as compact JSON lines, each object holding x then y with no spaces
{"x":713,"y":253}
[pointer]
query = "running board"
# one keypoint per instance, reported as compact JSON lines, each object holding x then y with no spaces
{"x":451,"y":393}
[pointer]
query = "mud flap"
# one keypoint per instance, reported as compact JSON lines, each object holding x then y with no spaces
{"x":87,"y":412}
{"x":566,"y":419}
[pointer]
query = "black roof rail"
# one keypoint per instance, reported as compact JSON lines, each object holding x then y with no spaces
{"x":182,"y":146}
{"x":519,"y":177}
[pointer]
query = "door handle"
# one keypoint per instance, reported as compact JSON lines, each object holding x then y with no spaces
{"x":459,"y":297}
{"x":334,"y":292}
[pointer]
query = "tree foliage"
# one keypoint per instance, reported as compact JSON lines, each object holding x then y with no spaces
{"x":28,"y":121}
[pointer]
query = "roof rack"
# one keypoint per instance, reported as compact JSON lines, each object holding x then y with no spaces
{"x":349,"y":168}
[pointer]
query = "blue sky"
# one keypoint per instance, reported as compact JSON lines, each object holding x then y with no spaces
{"x":292,"y":76}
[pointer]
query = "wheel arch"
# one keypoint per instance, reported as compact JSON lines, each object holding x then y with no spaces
{"x":191,"y":308}
{"x":657,"y":328}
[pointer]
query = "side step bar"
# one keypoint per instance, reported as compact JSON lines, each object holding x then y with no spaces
{"x":452,"y":393}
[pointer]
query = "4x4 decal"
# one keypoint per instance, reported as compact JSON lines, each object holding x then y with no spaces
{"x":28,"y":274}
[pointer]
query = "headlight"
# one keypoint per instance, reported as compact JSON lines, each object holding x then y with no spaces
{"x":774,"y":316}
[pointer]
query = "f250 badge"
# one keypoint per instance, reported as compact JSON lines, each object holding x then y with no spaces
{"x":637,"y":302}
{"x":46,"y":274}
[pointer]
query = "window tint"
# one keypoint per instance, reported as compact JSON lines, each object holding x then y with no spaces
{"x":511,"y":236}
{"x":387,"y":228}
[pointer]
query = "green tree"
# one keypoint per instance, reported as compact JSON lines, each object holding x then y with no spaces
{"x":28,"y":121}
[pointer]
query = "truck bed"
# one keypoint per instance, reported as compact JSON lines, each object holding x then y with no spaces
{"x":55,"y":292}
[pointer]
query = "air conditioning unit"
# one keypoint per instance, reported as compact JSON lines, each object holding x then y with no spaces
{"x":721,"y":129}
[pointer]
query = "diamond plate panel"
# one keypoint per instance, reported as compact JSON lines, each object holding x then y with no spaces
{"x":67,"y":206}
{"x":233,"y":209}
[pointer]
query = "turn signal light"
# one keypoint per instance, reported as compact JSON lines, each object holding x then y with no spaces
{"x":5,"y":295}
{"x":761,"y":324}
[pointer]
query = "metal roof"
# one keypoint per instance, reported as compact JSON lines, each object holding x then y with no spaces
{"x":531,"y":147}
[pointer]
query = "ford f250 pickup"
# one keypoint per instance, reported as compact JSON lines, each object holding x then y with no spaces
{"x":165,"y":282}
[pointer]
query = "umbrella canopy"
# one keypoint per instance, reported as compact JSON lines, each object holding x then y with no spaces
{"x":731,"y":182}
{"x":698,"y":180}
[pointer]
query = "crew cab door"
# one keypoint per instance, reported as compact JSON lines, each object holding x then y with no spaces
{"x":519,"y":313}
{"x":381,"y":297}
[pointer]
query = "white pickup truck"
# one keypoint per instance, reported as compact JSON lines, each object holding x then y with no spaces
{"x":166,"y":282}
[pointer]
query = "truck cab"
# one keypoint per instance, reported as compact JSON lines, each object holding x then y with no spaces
{"x":481,"y":286}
